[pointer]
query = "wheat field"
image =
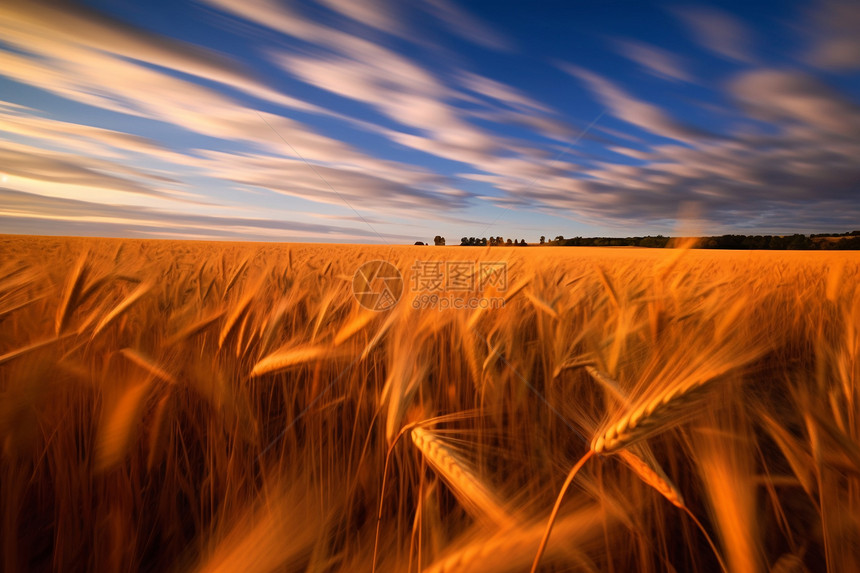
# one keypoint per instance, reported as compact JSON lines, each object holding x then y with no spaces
{"x":184,"y":406}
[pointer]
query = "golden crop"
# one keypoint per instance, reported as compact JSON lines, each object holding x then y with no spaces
{"x":182,"y":406}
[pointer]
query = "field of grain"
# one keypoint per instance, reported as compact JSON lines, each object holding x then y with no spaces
{"x":182,"y":406}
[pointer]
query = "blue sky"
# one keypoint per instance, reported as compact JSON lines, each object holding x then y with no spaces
{"x":388,"y":121}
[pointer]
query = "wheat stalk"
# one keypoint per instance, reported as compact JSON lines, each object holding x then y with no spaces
{"x":284,"y":359}
{"x":117,"y":426}
{"x":195,"y":328}
{"x":608,"y":383}
{"x":30,"y":348}
{"x":510,"y":550}
{"x":122,"y":307}
{"x":354,"y":326}
{"x":552,"y":516}
{"x":148,"y":365}
{"x":647,"y":419}
{"x":654,"y":476}
{"x":244,"y":306}
{"x":471,"y":492}
{"x":235,"y":275}
{"x":74,"y":285}
{"x":669,"y":403}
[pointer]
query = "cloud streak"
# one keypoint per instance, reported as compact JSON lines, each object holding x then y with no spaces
{"x":658,"y":62}
{"x":634,"y":111}
{"x":52,"y":215}
{"x":723,"y":34}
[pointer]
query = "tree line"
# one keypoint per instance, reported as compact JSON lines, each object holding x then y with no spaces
{"x":492,"y":242}
{"x":817,"y":242}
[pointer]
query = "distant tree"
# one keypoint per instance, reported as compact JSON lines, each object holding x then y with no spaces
{"x":464,"y":241}
{"x":510,"y":242}
{"x":484,"y":241}
{"x":801,"y":242}
{"x":852,"y":242}
{"x":419,"y":243}
{"x":559,"y":238}
{"x":439,"y":240}
{"x":657,"y":242}
{"x":542,"y":240}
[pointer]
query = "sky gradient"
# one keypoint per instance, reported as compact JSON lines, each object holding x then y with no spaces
{"x":386,"y":121}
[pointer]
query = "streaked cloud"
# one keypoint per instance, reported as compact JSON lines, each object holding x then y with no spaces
{"x":468,"y":27}
{"x":33,"y":163}
{"x":53,"y":215}
{"x":775,"y":95}
{"x":379,"y":14}
{"x":723,"y":34}
{"x":634,"y":111}
{"x":835,"y":37}
{"x":804,"y":161}
{"x":655,"y":61}
{"x":65,"y":32}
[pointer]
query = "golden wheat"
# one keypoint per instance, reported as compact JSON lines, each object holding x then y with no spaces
{"x":122,"y":307}
{"x":455,"y":472}
{"x":288,"y":358}
{"x":511,"y":550}
{"x":653,"y":475}
{"x":202,"y":407}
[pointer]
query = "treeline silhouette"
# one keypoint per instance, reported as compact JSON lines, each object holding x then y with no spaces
{"x":814,"y":242}
{"x":823,"y":241}
{"x":492,"y":242}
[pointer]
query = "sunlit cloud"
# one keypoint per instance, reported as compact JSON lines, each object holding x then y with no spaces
{"x":775,"y":95}
{"x":836,"y":43}
{"x":52,"y":215}
{"x":67,"y":32}
{"x":32,"y":163}
{"x":721,"y":33}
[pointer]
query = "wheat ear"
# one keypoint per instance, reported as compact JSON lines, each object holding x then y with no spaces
{"x":471,"y":492}
{"x":70,"y":294}
{"x":281,"y":360}
{"x":122,"y":307}
{"x":646,"y":419}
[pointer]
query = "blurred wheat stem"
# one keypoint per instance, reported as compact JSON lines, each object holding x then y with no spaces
{"x":569,"y":480}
